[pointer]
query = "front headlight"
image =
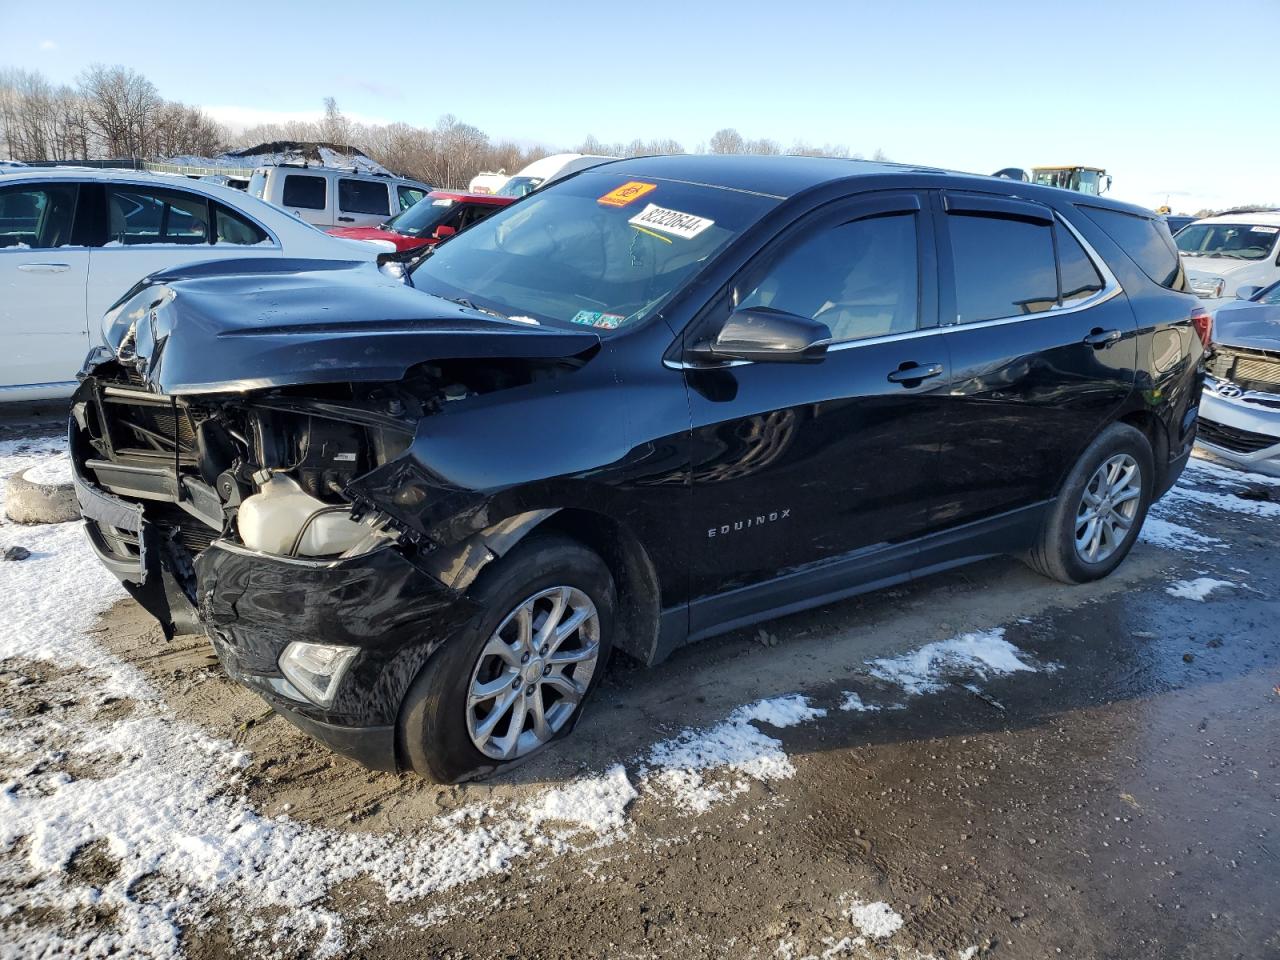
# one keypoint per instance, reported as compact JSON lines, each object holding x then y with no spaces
{"x":1210,"y":287}
{"x":316,"y":669}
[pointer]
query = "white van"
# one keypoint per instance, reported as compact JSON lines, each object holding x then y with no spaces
{"x":335,"y":197}
{"x":547,"y":170}
{"x":1224,"y":253}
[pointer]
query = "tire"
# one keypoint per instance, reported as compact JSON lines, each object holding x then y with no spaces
{"x":1056,"y":553}
{"x":438,"y":724}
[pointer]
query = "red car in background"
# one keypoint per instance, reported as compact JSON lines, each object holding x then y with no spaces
{"x":436,"y":217}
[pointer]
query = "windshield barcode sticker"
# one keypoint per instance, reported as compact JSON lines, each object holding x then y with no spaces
{"x":654,"y":217}
{"x":1264,"y":229}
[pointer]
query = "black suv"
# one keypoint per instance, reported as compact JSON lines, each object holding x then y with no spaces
{"x":661,"y":399}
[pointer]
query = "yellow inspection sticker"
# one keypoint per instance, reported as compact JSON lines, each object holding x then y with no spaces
{"x":631,"y":190}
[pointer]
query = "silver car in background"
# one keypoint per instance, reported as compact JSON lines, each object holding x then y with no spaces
{"x":1240,"y":408}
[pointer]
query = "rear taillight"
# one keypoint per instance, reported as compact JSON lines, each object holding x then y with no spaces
{"x":1203,"y":323}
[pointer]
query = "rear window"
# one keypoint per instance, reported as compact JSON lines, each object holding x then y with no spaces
{"x":363,"y":196}
{"x":303,"y":191}
{"x":1146,"y":241}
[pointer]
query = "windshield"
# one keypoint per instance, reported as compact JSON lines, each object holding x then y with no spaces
{"x":519,"y":186}
{"x":598,"y":250}
{"x":1234,"y":241}
{"x":422,"y":218}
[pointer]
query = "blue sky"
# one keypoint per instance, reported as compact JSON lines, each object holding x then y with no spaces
{"x":1153,"y":90}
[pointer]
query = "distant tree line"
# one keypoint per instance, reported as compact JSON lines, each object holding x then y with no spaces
{"x":109,"y":113}
{"x":116,"y":113}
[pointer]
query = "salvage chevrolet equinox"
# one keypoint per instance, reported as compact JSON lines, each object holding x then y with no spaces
{"x":661,"y":399}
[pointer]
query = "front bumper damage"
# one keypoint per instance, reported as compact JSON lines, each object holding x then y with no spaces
{"x":1241,"y":425}
{"x":252,"y":605}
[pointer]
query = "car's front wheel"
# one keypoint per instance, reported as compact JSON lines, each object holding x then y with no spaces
{"x":516,"y":677}
{"x":1100,"y":509}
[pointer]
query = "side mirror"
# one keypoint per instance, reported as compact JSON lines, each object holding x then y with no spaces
{"x":1246,"y":292}
{"x":444,"y":233}
{"x":764,"y":335}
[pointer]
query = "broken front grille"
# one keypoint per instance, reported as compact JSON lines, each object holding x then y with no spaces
{"x":1249,"y":369}
{"x":1234,"y":439}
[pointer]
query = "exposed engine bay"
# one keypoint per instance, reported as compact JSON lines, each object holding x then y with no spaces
{"x":267,"y":471}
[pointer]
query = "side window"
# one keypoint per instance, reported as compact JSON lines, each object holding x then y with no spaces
{"x":140,"y":215}
{"x":233,"y":228}
{"x":1077,"y":276}
{"x":1004,"y":267}
{"x":303,"y":191}
{"x":409,"y":196}
{"x":1146,"y":241}
{"x":363,"y":196}
{"x":861,"y":278}
{"x":37,"y":216}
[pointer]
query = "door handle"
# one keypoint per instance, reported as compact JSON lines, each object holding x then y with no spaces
{"x":44,"y":267}
{"x":911,"y":372}
{"x":346,"y":219}
{"x":1098,"y":337}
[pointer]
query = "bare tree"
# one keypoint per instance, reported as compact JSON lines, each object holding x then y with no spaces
{"x":727,"y":140}
{"x":120,"y":106}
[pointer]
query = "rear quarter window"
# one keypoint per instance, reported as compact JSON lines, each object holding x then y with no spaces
{"x":1146,"y":240}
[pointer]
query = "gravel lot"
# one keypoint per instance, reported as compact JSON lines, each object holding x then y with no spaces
{"x":979,"y":764}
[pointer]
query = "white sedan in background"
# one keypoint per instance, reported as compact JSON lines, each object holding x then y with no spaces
{"x":72,"y":241}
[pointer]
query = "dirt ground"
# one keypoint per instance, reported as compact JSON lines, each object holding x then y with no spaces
{"x":1124,"y":804}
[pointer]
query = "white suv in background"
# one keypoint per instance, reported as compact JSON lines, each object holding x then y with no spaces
{"x":73,"y":241}
{"x":548,"y":170}
{"x":334,"y":197}
{"x":1224,"y":253}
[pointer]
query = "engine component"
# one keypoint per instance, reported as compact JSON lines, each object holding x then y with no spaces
{"x":284,"y":519}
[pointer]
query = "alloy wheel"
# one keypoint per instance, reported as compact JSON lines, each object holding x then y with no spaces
{"x":533,"y":673}
{"x":1108,"y":508}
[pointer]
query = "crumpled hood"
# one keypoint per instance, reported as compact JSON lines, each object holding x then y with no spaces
{"x":252,"y":324}
{"x":1254,"y":326}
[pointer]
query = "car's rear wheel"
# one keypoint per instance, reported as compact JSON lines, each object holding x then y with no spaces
{"x":515,"y":678}
{"x":1100,"y":509}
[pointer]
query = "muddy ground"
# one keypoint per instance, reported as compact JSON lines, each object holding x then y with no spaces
{"x":1123,"y":805}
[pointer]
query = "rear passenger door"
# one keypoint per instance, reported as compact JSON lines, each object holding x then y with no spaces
{"x":362,"y":203}
{"x":152,"y":228}
{"x":1042,"y":345}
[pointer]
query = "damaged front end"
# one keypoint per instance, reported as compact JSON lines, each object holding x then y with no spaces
{"x":234,"y":511}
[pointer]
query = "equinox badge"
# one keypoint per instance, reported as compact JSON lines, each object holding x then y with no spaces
{"x":756,"y":521}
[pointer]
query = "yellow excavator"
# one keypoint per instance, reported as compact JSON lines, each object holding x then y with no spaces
{"x":1091,"y":180}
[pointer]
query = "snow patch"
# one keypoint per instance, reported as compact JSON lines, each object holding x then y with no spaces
{"x":853,"y":702}
{"x":1197,"y":589}
{"x":877,"y":920}
{"x":54,"y":470}
{"x":677,"y":767}
{"x":1174,"y":536}
{"x":983,"y":652}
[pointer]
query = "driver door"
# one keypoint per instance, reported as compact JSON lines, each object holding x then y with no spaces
{"x":810,"y":479}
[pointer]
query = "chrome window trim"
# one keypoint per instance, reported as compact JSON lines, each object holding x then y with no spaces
{"x":1110,"y":289}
